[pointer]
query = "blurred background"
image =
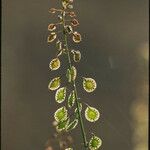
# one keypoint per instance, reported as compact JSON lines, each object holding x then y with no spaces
{"x":114,"y":52}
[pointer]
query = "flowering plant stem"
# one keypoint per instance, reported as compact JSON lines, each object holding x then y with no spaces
{"x":62,"y":116}
{"x":75,"y":89}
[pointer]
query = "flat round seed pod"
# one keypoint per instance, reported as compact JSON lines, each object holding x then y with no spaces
{"x":95,"y":143}
{"x":51,"y":37}
{"x":71,"y":99}
{"x":59,"y":45}
{"x":54,"y":64}
{"x":62,"y":125}
{"x":68,"y":29}
{"x":76,"y":37}
{"x":51,"y":27}
{"x":54,"y":84}
{"x":76,"y":55}
{"x":70,"y":6}
{"x":73,"y":72}
{"x":72,"y":14}
{"x":92,"y":114}
{"x":74,"y":22}
{"x":61,"y":114}
{"x":52,"y":10}
{"x":60,"y":95}
{"x":89,"y":84}
{"x":72,"y":125}
{"x":69,"y":148}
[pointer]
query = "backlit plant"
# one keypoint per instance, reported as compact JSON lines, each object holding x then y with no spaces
{"x":65,"y":120}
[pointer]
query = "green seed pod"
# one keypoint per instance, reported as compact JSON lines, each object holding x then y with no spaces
{"x":92,"y":114}
{"x":62,"y":125}
{"x":54,"y":64}
{"x":89,"y":84}
{"x":72,"y":125}
{"x":54,"y":84}
{"x":61,"y":114}
{"x":71,"y":74}
{"x":60,"y":95}
{"x":95,"y":143}
{"x":71,"y":99}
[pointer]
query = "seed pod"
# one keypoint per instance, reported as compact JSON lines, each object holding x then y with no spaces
{"x":76,"y":37}
{"x":71,"y":99}
{"x":71,"y":74}
{"x":60,"y":95}
{"x":92,"y":114}
{"x":76,"y":55}
{"x":72,"y":14}
{"x":72,"y":125}
{"x":52,"y":10}
{"x":61,"y":114}
{"x":89,"y":84}
{"x":59,"y":45}
{"x":59,"y":53}
{"x":62,"y":125}
{"x":95,"y":143}
{"x":54,"y":64}
{"x":74,"y":22}
{"x":54,"y":84}
{"x":51,"y":37}
{"x":69,"y":148}
{"x":68,"y":29}
{"x":51,"y":27}
{"x":70,"y":6}
{"x":68,"y":75}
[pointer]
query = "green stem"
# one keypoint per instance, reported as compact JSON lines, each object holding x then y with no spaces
{"x":75,"y":89}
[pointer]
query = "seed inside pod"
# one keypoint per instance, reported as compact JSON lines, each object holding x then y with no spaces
{"x":51,"y":27}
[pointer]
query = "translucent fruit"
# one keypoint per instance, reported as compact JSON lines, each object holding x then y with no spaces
{"x":54,"y":64}
{"x":92,"y":114}
{"x":95,"y":143}
{"x":54,"y":84}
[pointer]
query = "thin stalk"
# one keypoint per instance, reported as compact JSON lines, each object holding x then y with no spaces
{"x":75,"y":89}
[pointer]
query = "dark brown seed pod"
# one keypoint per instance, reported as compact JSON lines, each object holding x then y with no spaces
{"x":74,"y":22}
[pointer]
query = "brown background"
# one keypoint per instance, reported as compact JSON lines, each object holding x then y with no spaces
{"x":112,"y":31}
